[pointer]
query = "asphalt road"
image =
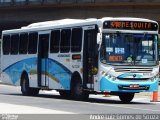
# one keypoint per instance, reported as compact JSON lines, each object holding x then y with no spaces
{"x":11,"y":101}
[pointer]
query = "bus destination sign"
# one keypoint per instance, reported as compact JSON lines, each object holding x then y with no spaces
{"x":130,"y":25}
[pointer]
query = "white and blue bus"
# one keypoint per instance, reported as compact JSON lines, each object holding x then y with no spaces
{"x":78,"y":57}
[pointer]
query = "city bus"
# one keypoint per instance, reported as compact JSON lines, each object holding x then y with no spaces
{"x":78,"y":57}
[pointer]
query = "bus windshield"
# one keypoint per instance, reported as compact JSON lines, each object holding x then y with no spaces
{"x":129,"y":49}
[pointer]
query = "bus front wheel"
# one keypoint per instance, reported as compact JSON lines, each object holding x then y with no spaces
{"x":78,"y":92}
{"x":25,"y":89}
{"x":126,"y":97}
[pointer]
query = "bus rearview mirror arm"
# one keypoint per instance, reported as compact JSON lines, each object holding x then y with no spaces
{"x":99,"y":40}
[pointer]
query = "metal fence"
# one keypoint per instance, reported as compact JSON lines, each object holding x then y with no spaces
{"x":30,"y":2}
{"x":27,"y":2}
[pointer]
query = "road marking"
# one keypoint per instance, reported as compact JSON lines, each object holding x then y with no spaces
{"x":156,"y":102}
{"x":23,"y":109}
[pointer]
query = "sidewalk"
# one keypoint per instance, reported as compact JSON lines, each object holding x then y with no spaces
{"x":149,"y":94}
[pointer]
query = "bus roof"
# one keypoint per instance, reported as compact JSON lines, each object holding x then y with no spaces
{"x":53,"y":24}
{"x":70,"y":23}
{"x":59,"y":22}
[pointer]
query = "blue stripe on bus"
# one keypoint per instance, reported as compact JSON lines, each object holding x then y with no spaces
{"x":55,"y":69}
{"x":15,"y":70}
{"x":62,"y":66}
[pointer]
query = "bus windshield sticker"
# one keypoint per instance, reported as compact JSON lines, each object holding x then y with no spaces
{"x":129,"y":59}
{"x":119,"y":51}
{"x":115,"y":58}
{"x":144,"y":61}
{"x":109,"y":49}
{"x":107,"y":37}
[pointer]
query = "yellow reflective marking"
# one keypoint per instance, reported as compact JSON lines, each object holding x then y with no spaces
{"x":33,"y":72}
{"x":67,"y":60}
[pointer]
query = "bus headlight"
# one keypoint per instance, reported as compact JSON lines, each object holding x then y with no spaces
{"x":154,"y":78}
{"x":111,"y":77}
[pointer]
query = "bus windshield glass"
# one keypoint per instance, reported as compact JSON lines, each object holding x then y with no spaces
{"x":129,"y":49}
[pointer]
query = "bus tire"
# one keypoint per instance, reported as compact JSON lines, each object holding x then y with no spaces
{"x":126,"y":97}
{"x":25,"y":89}
{"x":65,"y":93}
{"x":77,"y":91}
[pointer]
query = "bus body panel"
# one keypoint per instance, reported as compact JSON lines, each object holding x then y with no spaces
{"x":59,"y":75}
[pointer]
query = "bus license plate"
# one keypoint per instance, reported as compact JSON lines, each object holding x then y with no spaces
{"x":134,"y":86}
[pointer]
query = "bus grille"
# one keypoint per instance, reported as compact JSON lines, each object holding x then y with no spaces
{"x":136,"y":79}
{"x":133,"y":69}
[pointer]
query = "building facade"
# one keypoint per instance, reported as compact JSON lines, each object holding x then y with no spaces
{"x":17,"y":13}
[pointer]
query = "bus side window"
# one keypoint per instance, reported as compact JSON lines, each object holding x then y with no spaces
{"x":76,"y":41}
{"x":32,"y":45}
{"x":54,"y":43}
{"x":14,"y":44}
{"x":65,"y":41}
{"x":23,"y":43}
{"x":6,"y":44}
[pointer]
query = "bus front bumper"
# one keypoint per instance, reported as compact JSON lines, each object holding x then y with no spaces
{"x":128,"y":86}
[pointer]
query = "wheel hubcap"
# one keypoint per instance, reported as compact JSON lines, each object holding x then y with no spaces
{"x":79,"y":89}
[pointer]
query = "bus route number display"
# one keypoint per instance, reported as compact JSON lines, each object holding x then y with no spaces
{"x":115,"y":58}
{"x":130,"y":25}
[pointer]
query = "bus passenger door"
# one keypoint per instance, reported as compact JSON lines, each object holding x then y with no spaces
{"x":43,"y":60}
{"x":90,"y":56}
